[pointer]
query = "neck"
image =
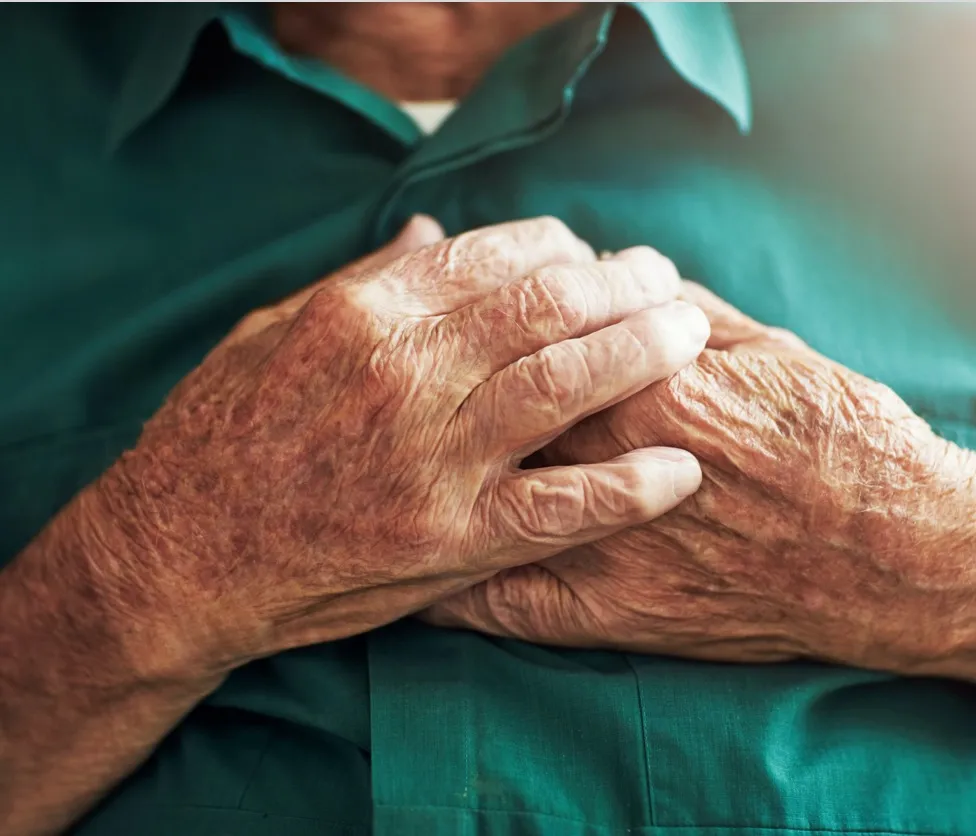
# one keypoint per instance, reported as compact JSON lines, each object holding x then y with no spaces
{"x":412,"y":51}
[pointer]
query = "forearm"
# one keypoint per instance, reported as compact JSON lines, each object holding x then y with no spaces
{"x":80,"y":705}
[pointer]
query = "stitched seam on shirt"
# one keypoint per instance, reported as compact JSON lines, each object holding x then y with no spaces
{"x":271,"y":816}
{"x":254,"y":771}
{"x":677,"y":827}
{"x":465,"y":738}
{"x":648,"y":784}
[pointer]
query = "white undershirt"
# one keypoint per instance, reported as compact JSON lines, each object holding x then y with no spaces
{"x":429,"y":116}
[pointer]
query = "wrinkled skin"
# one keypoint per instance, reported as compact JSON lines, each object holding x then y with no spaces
{"x":350,"y":455}
{"x":831,"y":522}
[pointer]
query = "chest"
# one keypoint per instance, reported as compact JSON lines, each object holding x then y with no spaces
{"x":99,"y":326}
{"x":124,"y":298}
{"x":121,"y":273}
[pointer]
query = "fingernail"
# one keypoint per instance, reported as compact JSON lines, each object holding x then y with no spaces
{"x":685,"y":470}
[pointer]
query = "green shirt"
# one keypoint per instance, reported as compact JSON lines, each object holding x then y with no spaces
{"x":164,"y":170}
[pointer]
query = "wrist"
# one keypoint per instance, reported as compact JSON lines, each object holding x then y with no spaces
{"x":945,"y":551}
{"x":85,"y":691}
{"x":172,"y":572}
{"x":108,"y":595}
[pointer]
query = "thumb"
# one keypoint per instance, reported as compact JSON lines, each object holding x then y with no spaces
{"x":419,"y":232}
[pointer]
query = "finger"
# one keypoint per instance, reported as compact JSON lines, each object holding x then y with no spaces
{"x":461,"y":270}
{"x":529,"y":602}
{"x":420,"y":231}
{"x":556,"y":303}
{"x":730,"y":327}
{"x":535,"y":514}
{"x":533,"y":400}
{"x":526,"y":602}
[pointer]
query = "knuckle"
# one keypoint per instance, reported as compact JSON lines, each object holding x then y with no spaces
{"x":343,"y":297}
{"x":552,"y":227}
{"x":641,"y":489}
{"x":551,"y":234}
{"x":326,"y":306}
{"x":255,"y":322}
{"x":551,"y":296}
{"x":389,"y":377}
{"x":667,"y":279}
{"x":550,"y":384}
{"x":340,"y":331}
{"x":637,"y":278}
{"x":507,"y":601}
{"x":345,"y":312}
{"x":492,"y":240}
{"x":631,"y":349}
{"x":468,"y":246}
{"x":509,"y":250}
{"x":556,"y":232}
{"x":653,"y":272}
{"x":501,"y":243}
{"x":622,"y":358}
{"x":538,"y":510}
{"x":662,"y":340}
{"x":665,"y":266}
{"x":624,"y":494}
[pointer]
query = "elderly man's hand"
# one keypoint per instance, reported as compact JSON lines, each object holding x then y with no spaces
{"x":350,"y":456}
{"x":831,"y":522}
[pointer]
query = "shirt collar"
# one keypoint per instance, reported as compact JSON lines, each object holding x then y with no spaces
{"x":699,"y":40}
{"x":163,"y":50}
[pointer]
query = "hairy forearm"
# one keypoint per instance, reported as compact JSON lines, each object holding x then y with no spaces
{"x":84,"y":693}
